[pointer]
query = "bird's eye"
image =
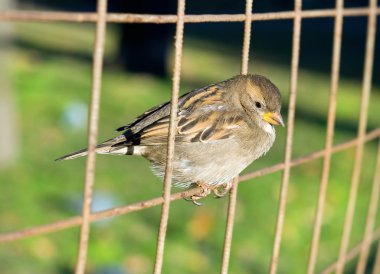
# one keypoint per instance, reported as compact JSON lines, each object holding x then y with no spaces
{"x":258,"y":104}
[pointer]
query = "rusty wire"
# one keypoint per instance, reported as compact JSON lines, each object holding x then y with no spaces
{"x":376,"y":268}
{"x":338,"y":27}
{"x":354,"y":252}
{"x":368,"y":67}
{"x":92,"y":136}
{"x":289,"y":136}
{"x":100,"y":215}
{"x":229,"y":226}
{"x":247,"y":37}
{"x":171,"y":138}
{"x":371,"y":217}
{"x":234,"y":189}
{"x":102,"y":17}
{"x":80,"y":17}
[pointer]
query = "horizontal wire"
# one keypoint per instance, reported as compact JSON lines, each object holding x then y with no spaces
{"x":81,"y":17}
{"x":78,"y":17}
{"x":96,"y":216}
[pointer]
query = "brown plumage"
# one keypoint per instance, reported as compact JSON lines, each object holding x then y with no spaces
{"x":221,"y":129}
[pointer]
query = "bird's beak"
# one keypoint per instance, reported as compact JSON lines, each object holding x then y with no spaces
{"x":273,"y":118}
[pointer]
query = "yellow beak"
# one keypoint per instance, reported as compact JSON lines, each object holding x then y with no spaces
{"x":273,"y":118}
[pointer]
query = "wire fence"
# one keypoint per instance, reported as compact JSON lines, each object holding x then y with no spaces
{"x":371,"y":234}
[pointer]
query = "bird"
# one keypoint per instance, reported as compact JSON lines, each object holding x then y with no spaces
{"x":220,"y":130}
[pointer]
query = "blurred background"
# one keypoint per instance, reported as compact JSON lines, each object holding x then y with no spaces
{"x":45,"y":75}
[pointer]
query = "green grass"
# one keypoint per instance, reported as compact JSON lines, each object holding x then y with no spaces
{"x":37,"y":190}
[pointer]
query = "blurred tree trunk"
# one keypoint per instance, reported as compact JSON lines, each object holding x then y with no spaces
{"x":8,"y":121}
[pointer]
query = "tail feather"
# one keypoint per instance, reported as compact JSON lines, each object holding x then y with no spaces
{"x":73,"y":155}
{"x":106,"y":147}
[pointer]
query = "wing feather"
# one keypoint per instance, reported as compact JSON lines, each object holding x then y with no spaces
{"x":202,"y":117}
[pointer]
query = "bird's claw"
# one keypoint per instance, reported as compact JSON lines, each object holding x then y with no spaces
{"x":206,"y":190}
{"x":222,"y":190}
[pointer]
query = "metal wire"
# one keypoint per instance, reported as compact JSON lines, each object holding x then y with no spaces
{"x":101,"y":17}
{"x":234,"y":190}
{"x":329,"y":136}
{"x":80,"y":17}
{"x":354,"y":252}
{"x":92,"y":136}
{"x":368,"y":66}
{"x":247,"y":37}
{"x":100,"y":215}
{"x":371,"y":217}
{"x":376,"y":268}
{"x":289,"y":136}
{"x":229,"y":227}
{"x":171,"y":138}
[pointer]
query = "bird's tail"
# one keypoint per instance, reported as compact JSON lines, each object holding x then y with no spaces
{"x":73,"y":155}
{"x":112,"y":146}
{"x":82,"y":152}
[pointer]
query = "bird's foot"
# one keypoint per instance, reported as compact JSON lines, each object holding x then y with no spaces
{"x":222,"y":190}
{"x":206,"y":190}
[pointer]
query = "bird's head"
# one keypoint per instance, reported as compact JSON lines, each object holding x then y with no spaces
{"x":260,"y":98}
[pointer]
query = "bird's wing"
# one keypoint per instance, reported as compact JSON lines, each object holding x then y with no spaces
{"x":148,"y":117}
{"x":203,"y":116}
{"x":210,"y":126}
{"x":192,"y":127}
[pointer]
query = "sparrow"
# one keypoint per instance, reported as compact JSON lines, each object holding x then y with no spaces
{"x":221,"y":129}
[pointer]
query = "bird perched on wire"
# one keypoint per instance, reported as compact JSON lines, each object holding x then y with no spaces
{"x":221,"y":129}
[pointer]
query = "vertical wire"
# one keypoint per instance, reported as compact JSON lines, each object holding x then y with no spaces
{"x":338,"y":27}
{"x":353,"y":253}
{"x":371,"y":217}
{"x":171,"y":138}
{"x":229,"y":227}
{"x":92,"y":134}
{"x":233,"y":194}
{"x":289,"y":136}
{"x":247,"y":37}
{"x":376,"y":268}
{"x":368,"y":66}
